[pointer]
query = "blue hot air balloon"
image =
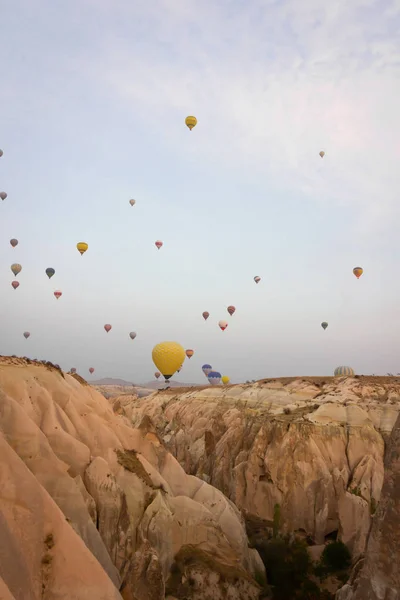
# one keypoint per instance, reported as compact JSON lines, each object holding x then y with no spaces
{"x":214,"y":378}
{"x":206,"y":369}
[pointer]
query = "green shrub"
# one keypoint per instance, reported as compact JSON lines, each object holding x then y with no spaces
{"x":336,"y":556}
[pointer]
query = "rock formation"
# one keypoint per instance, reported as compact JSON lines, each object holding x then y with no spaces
{"x":377,"y":575}
{"x":91,"y":507}
{"x":314,"y":446}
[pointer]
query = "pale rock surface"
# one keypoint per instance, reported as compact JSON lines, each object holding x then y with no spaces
{"x":313,"y":445}
{"x":89,"y":505}
{"x":377,"y":575}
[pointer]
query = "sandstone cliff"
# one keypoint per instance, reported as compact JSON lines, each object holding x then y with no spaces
{"x":314,"y":446}
{"x":377,"y":576}
{"x":91,"y":507}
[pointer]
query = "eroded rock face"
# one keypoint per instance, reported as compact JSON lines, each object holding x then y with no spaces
{"x":90,"y":506}
{"x":313,"y":446}
{"x":377,"y":577}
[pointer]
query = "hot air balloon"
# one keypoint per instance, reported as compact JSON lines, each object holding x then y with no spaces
{"x":91,"y":370}
{"x":206,"y":369}
{"x":73,"y":370}
{"x":206,"y":315}
{"x":322,"y":154}
{"x":191,"y":122}
{"x":15,"y":284}
{"x":189,"y":353}
{"x":58,"y":294}
{"x":14,"y":242}
{"x":158,"y":243}
{"x":358,"y":271}
{"x":132,"y":335}
{"x":16,"y":268}
{"x":82,"y":247}
{"x":344,"y":371}
{"x":1,"y":153}
{"x":26,"y":334}
{"x":214,"y":378}
{"x":132,"y":202}
{"x":324,"y":324}
{"x":231,"y":310}
{"x":168,"y":358}
{"x":50,"y":272}
{"x":3,"y":195}
{"x":225,"y":379}
{"x":223,"y":325}
{"x":157,"y":374}
{"x":257,"y":278}
{"x":107,"y":327}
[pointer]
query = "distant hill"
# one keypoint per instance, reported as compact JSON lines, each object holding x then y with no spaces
{"x":160,"y":383}
{"x":111,"y":381}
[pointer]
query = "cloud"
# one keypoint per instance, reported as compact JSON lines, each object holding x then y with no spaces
{"x":272,"y":83}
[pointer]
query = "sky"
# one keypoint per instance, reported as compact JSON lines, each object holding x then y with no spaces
{"x":93,"y":100}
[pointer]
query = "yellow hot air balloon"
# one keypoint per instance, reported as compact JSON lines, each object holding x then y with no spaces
{"x":168,"y":357}
{"x":191,"y":122}
{"x":225,"y":379}
{"x":82,"y":247}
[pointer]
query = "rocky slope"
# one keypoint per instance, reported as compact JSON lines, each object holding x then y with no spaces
{"x":313,"y":446}
{"x":91,"y":507}
{"x":377,"y":576}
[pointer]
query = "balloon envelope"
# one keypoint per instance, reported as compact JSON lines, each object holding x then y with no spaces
{"x":1,"y":153}
{"x":358,"y":271}
{"x":214,"y":377}
{"x":189,"y":353}
{"x":257,"y":278}
{"x":231,"y":310}
{"x":50,"y":272}
{"x":157,"y":374}
{"x":3,"y":195}
{"x":132,"y":335}
{"x":91,"y":370}
{"x":14,"y":242}
{"x":82,"y":247}
{"x":206,"y":315}
{"x":324,"y":324}
{"x":58,"y":294}
{"x":107,"y":327}
{"x":15,"y":284}
{"x":26,"y":334}
{"x":73,"y":370}
{"x":191,"y":122}
{"x":16,"y":268}
{"x":322,"y":154}
{"x":158,"y":243}
{"x":344,"y":371}
{"x":132,"y":202}
{"x":225,"y":379}
{"x":206,"y":369}
{"x":168,"y":357}
{"x":223,"y":325}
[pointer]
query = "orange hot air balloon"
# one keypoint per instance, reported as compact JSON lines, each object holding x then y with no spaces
{"x":157,"y":374}
{"x":58,"y":294}
{"x":223,"y":325}
{"x":15,"y":284}
{"x":107,"y":327}
{"x":358,"y":271}
{"x":158,"y":243}
{"x":189,"y":353}
{"x":91,"y":370}
{"x":206,"y":315}
{"x":231,"y":310}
